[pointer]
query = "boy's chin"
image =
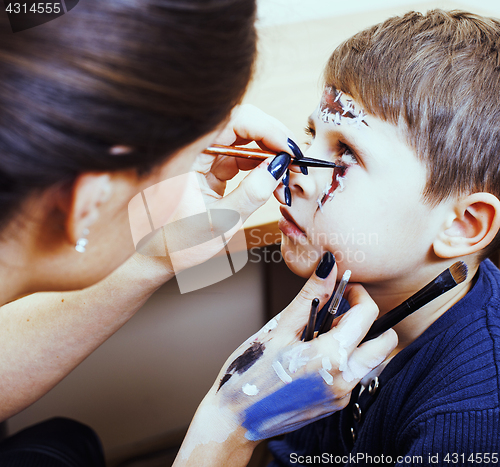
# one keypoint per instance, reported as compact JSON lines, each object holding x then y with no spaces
{"x":297,"y":265}
{"x":300,"y":271}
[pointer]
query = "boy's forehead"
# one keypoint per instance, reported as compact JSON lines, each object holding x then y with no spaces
{"x":336,"y":107}
{"x":343,"y":119}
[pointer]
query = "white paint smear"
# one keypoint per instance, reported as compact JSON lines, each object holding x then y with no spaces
{"x":330,"y":196}
{"x":270,"y":325}
{"x":340,"y":181}
{"x":343,"y":359}
{"x":320,"y":205}
{"x":326,"y":376}
{"x":357,"y":370}
{"x":326,"y":363}
{"x":282,"y":374}
{"x":327,"y":366}
{"x":348,"y":158}
{"x":347,"y":335}
{"x":337,"y":116}
{"x":319,"y":355}
{"x":250,"y":389}
{"x":211,"y":424}
{"x":295,"y":357}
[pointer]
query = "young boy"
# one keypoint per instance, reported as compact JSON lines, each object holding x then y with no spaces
{"x":411,"y":108}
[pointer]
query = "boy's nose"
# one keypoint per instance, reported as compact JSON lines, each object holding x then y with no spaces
{"x":305,"y":186}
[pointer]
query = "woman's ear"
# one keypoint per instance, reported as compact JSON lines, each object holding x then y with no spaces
{"x":472,"y":225}
{"x":88,"y":192}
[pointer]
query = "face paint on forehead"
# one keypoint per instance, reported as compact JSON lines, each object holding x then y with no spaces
{"x":333,"y":110}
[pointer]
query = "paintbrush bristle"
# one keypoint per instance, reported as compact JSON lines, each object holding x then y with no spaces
{"x":459,"y":271}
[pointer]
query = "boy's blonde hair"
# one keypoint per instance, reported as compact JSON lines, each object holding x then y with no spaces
{"x":437,"y":76}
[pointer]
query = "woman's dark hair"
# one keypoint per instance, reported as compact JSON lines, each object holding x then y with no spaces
{"x":154,"y":75}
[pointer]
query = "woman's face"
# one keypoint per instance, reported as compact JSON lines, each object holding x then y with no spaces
{"x":110,"y":241}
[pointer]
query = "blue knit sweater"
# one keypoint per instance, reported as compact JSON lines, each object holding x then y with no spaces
{"x":437,"y":402}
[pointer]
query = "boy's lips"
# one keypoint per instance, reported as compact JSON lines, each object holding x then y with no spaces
{"x":288,"y":225}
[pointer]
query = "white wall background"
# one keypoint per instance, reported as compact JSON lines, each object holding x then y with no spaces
{"x":275,"y":12}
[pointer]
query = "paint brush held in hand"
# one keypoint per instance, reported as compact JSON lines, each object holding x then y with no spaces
{"x":450,"y":278}
{"x":311,"y":324}
{"x":260,"y":155}
{"x":326,"y":325}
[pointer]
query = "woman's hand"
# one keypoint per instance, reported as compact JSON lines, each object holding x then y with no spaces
{"x":196,"y":235}
{"x":275,"y":383}
{"x":248,"y":123}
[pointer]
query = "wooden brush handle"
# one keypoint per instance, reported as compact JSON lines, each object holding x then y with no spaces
{"x":245,"y":153}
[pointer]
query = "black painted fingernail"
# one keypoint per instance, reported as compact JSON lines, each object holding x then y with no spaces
{"x":297,"y":153}
{"x":279,"y":164}
{"x":325,"y":266}
{"x":288,"y":196}
{"x":286,"y":178}
{"x":295,"y":149}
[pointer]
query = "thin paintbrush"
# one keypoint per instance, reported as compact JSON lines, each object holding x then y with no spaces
{"x":259,"y":154}
{"x":311,"y":324}
{"x":450,"y":278}
{"x":334,"y":305}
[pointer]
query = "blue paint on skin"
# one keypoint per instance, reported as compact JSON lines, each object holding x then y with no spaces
{"x":292,"y":398}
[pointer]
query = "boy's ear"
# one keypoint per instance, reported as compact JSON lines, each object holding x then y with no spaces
{"x":471,"y":226}
{"x":82,"y":202}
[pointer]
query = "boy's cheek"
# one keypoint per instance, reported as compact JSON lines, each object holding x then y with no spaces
{"x":367,"y":255}
{"x":300,"y":259}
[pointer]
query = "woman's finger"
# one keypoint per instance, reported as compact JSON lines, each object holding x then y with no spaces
{"x":257,"y":187}
{"x":225,"y":167}
{"x":368,"y":356}
{"x":320,"y":285}
{"x":354,"y":324}
{"x":248,"y":123}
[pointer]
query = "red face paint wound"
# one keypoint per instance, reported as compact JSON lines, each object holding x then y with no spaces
{"x":333,"y":110}
{"x":338,"y":177}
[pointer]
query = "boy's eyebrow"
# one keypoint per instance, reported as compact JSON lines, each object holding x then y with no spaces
{"x":310,"y":123}
{"x":343,"y":138}
{"x":331,"y":102}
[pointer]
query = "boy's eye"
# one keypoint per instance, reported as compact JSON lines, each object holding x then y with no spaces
{"x":346,"y":156}
{"x":311,"y":132}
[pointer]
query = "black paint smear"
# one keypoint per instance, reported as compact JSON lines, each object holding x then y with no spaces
{"x":224,"y":380}
{"x":247,"y":358}
{"x":243,"y":362}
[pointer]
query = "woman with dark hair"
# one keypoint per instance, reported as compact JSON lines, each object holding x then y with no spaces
{"x":95,"y":107}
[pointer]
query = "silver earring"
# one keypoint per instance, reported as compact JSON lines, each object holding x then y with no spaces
{"x":82,"y":242}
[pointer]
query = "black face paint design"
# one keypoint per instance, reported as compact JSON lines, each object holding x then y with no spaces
{"x":243,"y":362}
